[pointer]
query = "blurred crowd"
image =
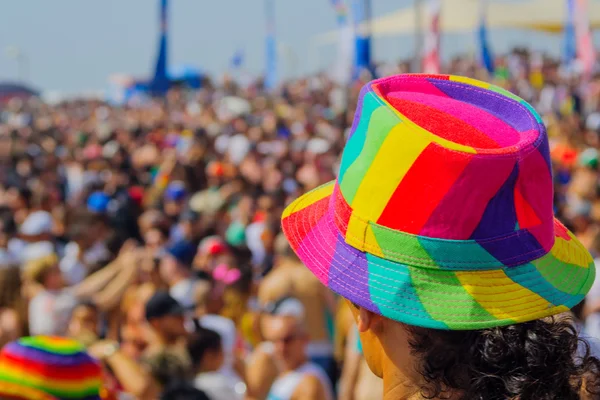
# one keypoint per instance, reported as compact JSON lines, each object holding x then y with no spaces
{"x":150,"y":233}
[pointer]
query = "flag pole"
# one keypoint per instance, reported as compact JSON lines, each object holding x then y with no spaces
{"x":417,"y":65}
{"x":271,"y":46}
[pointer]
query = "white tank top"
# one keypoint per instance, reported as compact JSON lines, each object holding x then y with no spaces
{"x":285,"y":386}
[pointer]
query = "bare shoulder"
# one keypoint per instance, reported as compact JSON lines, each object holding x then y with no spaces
{"x":273,"y":286}
{"x":310,"y":388}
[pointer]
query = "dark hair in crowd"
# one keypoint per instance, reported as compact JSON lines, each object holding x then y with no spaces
{"x":182,"y":391}
{"x":534,"y":360}
{"x":200,"y":343}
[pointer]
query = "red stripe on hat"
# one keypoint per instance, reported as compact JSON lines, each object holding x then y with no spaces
{"x":422,"y":188}
{"x":525,"y":214}
{"x":304,"y":220}
{"x":535,"y":185}
{"x":342,"y":211}
{"x":56,"y":373}
{"x":432,"y":76}
{"x":443,"y":124}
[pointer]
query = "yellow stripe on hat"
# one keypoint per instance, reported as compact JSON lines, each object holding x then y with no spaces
{"x":470,"y":81}
{"x":563,"y":251}
{"x":502,"y":297}
{"x":315,"y":195}
{"x":396,"y":155}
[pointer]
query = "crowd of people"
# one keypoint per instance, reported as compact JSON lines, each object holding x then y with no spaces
{"x":148,"y":236}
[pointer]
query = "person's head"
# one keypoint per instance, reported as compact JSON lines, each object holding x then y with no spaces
{"x":7,"y":226}
{"x":211,"y":251}
{"x":454,"y":274}
{"x":155,"y":239}
{"x":133,"y":342}
{"x":41,"y":200}
{"x":10,"y":286}
{"x":481,"y":363}
{"x":85,"y":319}
{"x":167,"y":367}
{"x":236,"y":286}
{"x":204,"y":301}
{"x":177,"y":261}
{"x":18,"y":198}
{"x":182,"y":391}
{"x":166,"y":316}
{"x":175,"y":198}
{"x":283,"y":325}
{"x":44,"y":271}
{"x":205,"y":350}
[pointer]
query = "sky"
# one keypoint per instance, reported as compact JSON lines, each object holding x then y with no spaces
{"x":75,"y":45}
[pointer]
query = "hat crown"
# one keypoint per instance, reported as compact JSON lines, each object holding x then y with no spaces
{"x":449,"y":158}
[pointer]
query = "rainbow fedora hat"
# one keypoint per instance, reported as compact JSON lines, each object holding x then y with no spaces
{"x":442,"y":215}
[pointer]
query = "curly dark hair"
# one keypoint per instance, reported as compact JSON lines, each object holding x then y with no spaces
{"x":538,"y":360}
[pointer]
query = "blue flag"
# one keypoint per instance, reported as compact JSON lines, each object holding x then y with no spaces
{"x":271,"y":46}
{"x":238,"y":59}
{"x":160,"y":81}
{"x":361,"y":10}
{"x":485,"y":54}
{"x":570,"y":41}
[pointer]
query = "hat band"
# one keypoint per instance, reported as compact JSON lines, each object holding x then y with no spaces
{"x":515,"y":248}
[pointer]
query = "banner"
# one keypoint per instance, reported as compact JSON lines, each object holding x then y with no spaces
{"x":431,"y":56}
{"x":361,"y":11}
{"x":486,"y":59}
{"x":586,"y":54}
{"x":570,"y":43}
{"x":271,"y":46}
{"x":344,"y":62}
{"x":160,"y":81}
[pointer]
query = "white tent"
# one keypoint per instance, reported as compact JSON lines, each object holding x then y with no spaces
{"x":462,"y":16}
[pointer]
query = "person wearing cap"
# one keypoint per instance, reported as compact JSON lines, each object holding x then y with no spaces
{"x":166,"y":317}
{"x":284,"y":329}
{"x":175,"y":197}
{"x":290,"y":278}
{"x":439,"y":231}
{"x":176,"y":270}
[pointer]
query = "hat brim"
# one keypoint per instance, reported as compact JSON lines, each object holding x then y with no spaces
{"x":436,"y":297}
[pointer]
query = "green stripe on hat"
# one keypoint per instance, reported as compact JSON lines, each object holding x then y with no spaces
{"x":380,"y":124}
{"x":356,"y":142}
{"x":399,"y":301}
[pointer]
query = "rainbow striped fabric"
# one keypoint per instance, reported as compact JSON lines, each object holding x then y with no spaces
{"x":441,"y":215}
{"x":42,"y":367}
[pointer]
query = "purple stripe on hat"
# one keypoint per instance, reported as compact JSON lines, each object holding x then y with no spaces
{"x":45,"y":357}
{"x":518,"y":249}
{"x":359,"y":105}
{"x":544,"y":147}
{"x":502,"y":107}
{"x":500,"y":216}
{"x":459,"y":212}
{"x":356,"y":288}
